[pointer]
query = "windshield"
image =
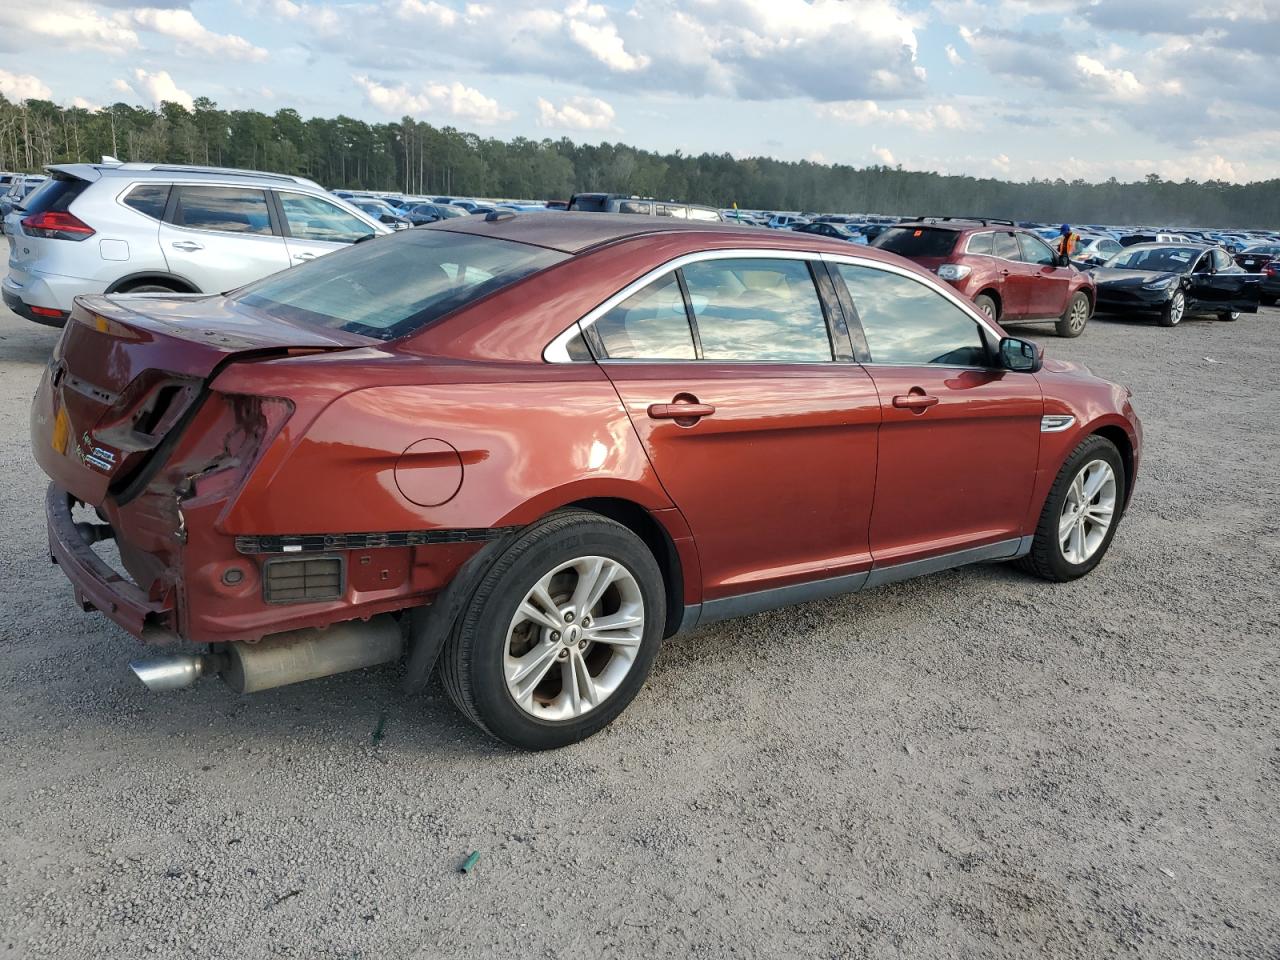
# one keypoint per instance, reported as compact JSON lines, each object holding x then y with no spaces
{"x":917,"y":241}
{"x":1162,"y":259}
{"x":397,"y":285}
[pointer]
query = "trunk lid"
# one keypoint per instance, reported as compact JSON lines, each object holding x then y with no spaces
{"x":130,"y":372}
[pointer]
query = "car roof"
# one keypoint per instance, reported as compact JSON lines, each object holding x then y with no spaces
{"x":172,"y":171}
{"x":573,"y":232}
{"x":1173,"y":245}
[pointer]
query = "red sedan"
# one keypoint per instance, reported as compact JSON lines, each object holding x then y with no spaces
{"x":528,"y":448}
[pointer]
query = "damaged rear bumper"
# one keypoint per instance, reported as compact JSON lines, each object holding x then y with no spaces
{"x":96,"y":585}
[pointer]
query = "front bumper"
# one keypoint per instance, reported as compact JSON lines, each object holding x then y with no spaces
{"x":96,"y":585}
{"x":1132,"y":298}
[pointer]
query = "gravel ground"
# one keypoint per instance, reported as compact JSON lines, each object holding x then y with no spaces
{"x":970,"y":765}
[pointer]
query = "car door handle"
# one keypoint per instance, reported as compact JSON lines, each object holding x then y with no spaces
{"x":304,"y":256}
{"x":188,"y":245}
{"x":915,"y":401}
{"x":680,"y":411}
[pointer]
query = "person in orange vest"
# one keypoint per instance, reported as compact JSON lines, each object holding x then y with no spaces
{"x":1068,"y":241}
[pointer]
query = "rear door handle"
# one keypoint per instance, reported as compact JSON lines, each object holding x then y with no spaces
{"x":915,"y":401}
{"x":304,"y":256}
{"x":188,"y":245}
{"x":680,"y":411}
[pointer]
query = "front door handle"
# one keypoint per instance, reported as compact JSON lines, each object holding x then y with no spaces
{"x":304,"y":256}
{"x":918,"y":402}
{"x":188,"y":245}
{"x":685,"y":412}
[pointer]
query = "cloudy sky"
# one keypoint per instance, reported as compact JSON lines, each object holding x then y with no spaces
{"x":1007,"y":88}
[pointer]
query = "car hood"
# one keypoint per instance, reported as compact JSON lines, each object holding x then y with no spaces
{"x":1066,"y":367}
{"x":1130,"y":278}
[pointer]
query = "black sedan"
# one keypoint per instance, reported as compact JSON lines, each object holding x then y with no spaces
{"x":1255,"y":258}
{"x":837,"y":231}
{"x":1175,"y":280}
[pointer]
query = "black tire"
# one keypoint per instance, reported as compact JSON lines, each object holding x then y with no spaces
{"x":1075,"y":318}
{"x":471,"y":664}
{"x":148,"y":287}
{"x":1046,"y":559}
{"x":1229,"y":316}
{"x":1268,"y":301}
{"x":987,"y":306}
{"x":1171,"y":313}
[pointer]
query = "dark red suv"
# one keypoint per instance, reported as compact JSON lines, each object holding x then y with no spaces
{"x":530,"y":447}
{"x":1011,"y":275}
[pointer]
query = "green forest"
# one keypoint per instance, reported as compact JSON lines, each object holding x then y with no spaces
{"x":416,"y":157}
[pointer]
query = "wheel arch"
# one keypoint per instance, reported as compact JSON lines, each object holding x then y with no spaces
{"x":153,"y":276}
{"x":994,"y":294}
{"x":657,"y":538}
{"x":1124,"y":443}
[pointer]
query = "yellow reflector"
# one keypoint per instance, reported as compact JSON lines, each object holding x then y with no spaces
{"x":61,"y":431}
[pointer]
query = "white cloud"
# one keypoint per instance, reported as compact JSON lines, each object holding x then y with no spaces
{"x":72,"y":26}
{"x":953,"y":55}
{"x":23,"y":86}
{"x":864,"y":113}
{"x":601,"y":40}
{"x":191,"y":34}
{"x":155,"y":88}
{"x":454,"y":100}
{"x":576,"y":113}
{"x":883,"y":155}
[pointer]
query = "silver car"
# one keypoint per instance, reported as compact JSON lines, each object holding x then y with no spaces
{"x":146,"y":228}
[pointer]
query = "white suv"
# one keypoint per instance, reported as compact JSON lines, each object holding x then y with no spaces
{"x":115,"y":227}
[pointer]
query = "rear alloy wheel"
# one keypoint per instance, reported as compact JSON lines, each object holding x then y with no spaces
{"x":986,"y":305}
{"x":1080,"y":514}
{"x":1171,"y":313}
{"x":560,"y":634}
{"x":1074,"y":319}
{"x":1229,"y":316}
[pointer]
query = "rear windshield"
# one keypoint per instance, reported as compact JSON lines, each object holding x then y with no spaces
{"x":917,"y":241}
{"x":397,"y":284}
{"x":590,"y":203}
{"x":53,"y":195}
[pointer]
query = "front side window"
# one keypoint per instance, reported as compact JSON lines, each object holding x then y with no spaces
{"x":397,"y":284}
{"x":1035,"y":250}
{"x":1006,"y":246}
{"x":757,"y":310}
{"x":649,"y":325}
{"x":224,"y":209}
{"x":1222,"y":260}
{"x":313,"y":218}
{"x":907,"y":322}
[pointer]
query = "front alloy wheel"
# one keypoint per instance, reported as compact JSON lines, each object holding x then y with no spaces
{"x":1171,"y":314}
{"x":1087,"y":511}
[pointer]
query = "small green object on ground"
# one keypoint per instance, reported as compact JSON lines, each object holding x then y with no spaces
{"x":378,"y":730}
{"x":469,"y":864}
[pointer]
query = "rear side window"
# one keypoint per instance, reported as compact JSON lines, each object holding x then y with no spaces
{"x":397,"y":284}
{"x":981,"y":244}
{"x":149,"y":198}
{"x":54,"y":196}
{"x":312,"y":218}
{"x":225,"y":209}
{"x":917,"y":241}
{"x":757,"y":310}
{"x":649,"y":325}
{"x":1006,"y":246}
{"x":907,"y":322}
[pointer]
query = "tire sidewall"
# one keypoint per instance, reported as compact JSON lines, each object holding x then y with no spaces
{"x":1167,"y":316}
{"x":1095,"y":448}
{"x":489,"y":615}
{"x":982,"y":298}
{"x":1064,"y":327}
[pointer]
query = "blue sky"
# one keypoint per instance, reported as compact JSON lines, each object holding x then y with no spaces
{"x":1007,"y":88}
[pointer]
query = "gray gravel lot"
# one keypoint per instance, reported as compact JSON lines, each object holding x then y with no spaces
{"x":971,"y":765}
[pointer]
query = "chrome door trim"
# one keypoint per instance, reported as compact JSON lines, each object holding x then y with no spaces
{"x":557,"y":351}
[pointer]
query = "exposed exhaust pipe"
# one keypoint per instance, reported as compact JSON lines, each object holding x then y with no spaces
{"x":280,"y":659}
{"x":173,"y":672}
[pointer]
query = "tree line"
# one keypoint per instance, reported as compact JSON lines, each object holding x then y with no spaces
{"x":415,"y":157}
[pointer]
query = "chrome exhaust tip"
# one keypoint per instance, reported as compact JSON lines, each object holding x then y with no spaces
{"x":175,"y":672}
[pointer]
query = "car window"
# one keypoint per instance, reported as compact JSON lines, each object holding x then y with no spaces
{"x":1005,"y":245}
{"x":907,"y":322}
{"x":56,"y":197}
{"x":980,"y":243}
{"x":633,"y":206}
{"x":1222,"y":260}
{"x":917,"y":241}
{"x":397,"y":284}
{"x":1035,"y":250}
{"x":313,"y":218}
{"x":649,"y":325}
{"x":701,"y":213}
{"x":757,"y":310}
{"x":1204,"y":264}
{"x":225,"y":209}
{"x":149,"y":198}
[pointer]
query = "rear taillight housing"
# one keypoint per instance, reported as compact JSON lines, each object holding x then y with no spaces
{"x":56,"y":225}
{"x":1270,"y":270}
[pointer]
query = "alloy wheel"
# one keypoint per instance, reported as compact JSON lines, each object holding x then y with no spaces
{"x":574,"y":638}
{"x":1087,"y":511}
{"x":1176,"y":307}
{"x":1079,"y":314}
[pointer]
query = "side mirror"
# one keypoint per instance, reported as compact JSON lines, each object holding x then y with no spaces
{"x":1063,"y":260}
{"x":1020,"y":356}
